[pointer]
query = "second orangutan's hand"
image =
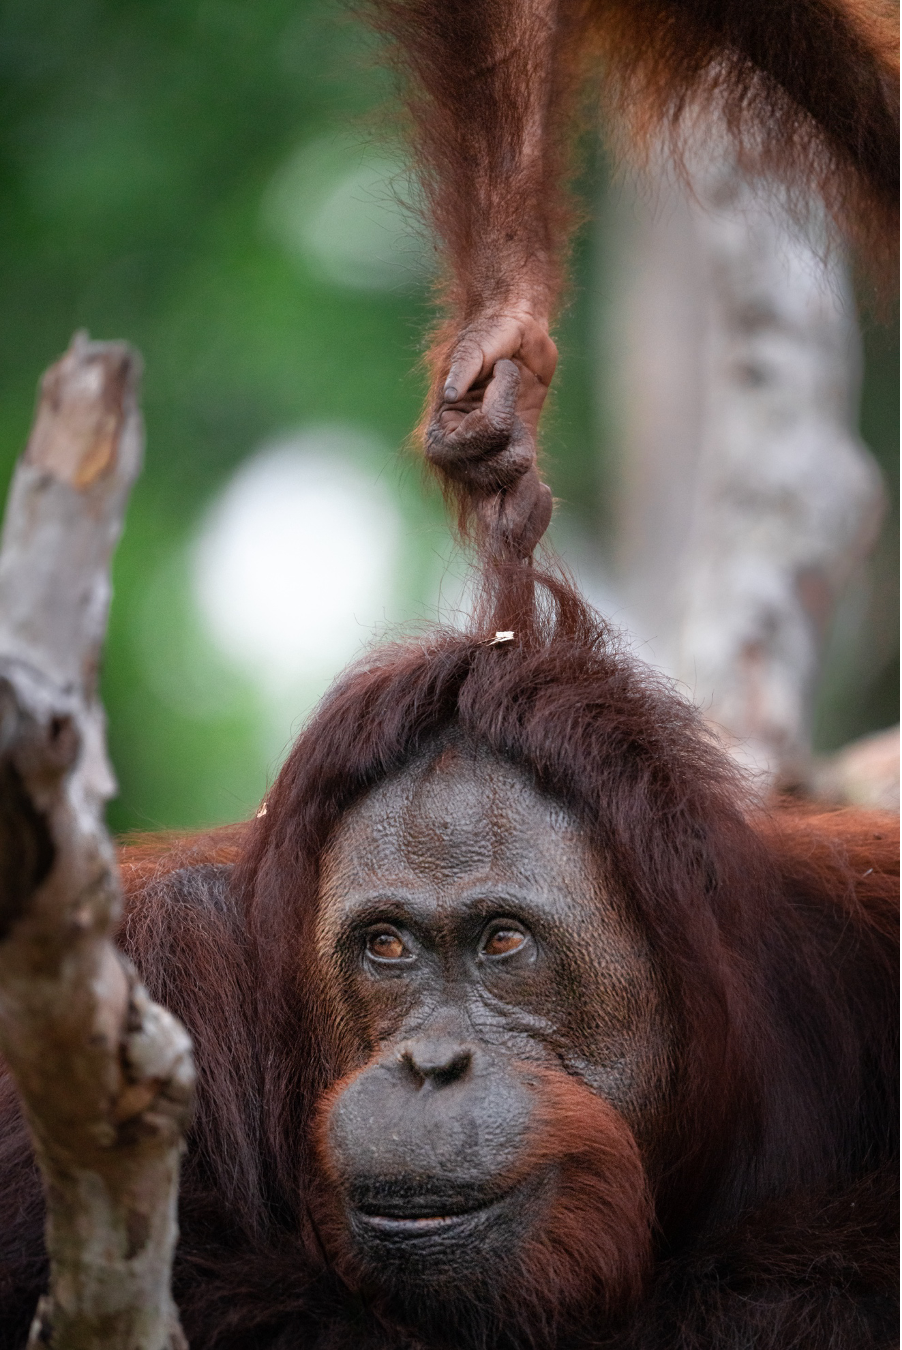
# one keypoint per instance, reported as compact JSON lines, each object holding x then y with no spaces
{"x":514,"y":335}
{"x":482,"y":435}
{"x":490,"y":453}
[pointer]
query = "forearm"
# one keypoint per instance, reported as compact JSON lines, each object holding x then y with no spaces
{"x":489,"y":92}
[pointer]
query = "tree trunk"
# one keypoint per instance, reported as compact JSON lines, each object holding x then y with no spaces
{"x":105,"y":1075}
{"x":748,"y":500}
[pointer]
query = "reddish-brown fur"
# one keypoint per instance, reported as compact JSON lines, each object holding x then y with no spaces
{"x":808,"y":89}
{"x":801,"y":92}
{"x":773,"y":931}
{"x":805,"y":91}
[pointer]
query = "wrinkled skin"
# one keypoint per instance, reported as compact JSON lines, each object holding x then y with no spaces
{"x":482,"y":433}
{"x":516,"y":335}
{"x":484,"y":440}
{"x":475,"y":939}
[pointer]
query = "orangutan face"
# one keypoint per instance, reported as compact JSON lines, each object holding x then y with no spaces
{"x":494,"y":982}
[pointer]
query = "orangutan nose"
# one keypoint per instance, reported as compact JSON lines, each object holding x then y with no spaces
{"x":437,"y":1063}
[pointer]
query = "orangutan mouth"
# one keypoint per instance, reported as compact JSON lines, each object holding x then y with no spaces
{"x":426,"y":1216}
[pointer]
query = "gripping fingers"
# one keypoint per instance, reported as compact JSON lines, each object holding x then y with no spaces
{"x":484,"y":413}
{"x":482,"y":434}
{"x":483,"y":459}
{"x":484,"y":439}
{"x":499,"y":403}
{"x":491,"y":448}
{"x":477,"y":352}
{"x":516,"y":334}
{"x":515,"y":520}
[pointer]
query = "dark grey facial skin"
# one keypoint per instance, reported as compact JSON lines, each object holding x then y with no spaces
{"x":474,"y":936}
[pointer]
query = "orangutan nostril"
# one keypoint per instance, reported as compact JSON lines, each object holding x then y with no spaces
{"x":436,"y":1062}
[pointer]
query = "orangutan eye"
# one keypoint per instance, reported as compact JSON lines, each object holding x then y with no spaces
{"x":386,"y":945}
{"x":503,"y":941}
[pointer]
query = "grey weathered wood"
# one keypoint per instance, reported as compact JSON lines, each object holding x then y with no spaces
{"x":105,"y":1075}
{"x":863,"y":773}
{"x":749,"y":501}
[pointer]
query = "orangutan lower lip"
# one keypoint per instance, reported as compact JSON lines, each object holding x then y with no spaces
{"x":401,"y":1224}
{"x":389,"y":1223}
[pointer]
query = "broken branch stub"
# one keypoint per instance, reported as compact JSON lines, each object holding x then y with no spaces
{"x":105,"y":1075}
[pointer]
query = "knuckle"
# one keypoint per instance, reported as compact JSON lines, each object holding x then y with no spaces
{"x":436,"y":445}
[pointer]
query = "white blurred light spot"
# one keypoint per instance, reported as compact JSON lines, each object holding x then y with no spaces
{"x":339,"y":207}
{"x":296,"y":561}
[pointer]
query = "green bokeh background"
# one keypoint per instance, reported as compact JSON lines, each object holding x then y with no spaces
{"x":138,"y":142}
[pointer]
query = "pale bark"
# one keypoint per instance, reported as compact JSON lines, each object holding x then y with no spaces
{"x":864,"y":773}
{"x":104,"y":1074}
{"x":749,"y":500}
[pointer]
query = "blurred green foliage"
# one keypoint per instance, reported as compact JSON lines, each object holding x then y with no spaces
{"x":140,"y":141}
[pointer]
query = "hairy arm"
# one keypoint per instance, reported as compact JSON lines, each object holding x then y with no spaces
{"x":488,"y":92}
{"x":490,"y":89}
{"x":805,"y":89}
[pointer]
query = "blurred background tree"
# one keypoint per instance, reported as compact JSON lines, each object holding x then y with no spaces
{"x":216,"y":183}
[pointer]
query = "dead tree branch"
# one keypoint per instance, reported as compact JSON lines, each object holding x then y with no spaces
{"x":749,"y":502}
{"x":105,"y":1075}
